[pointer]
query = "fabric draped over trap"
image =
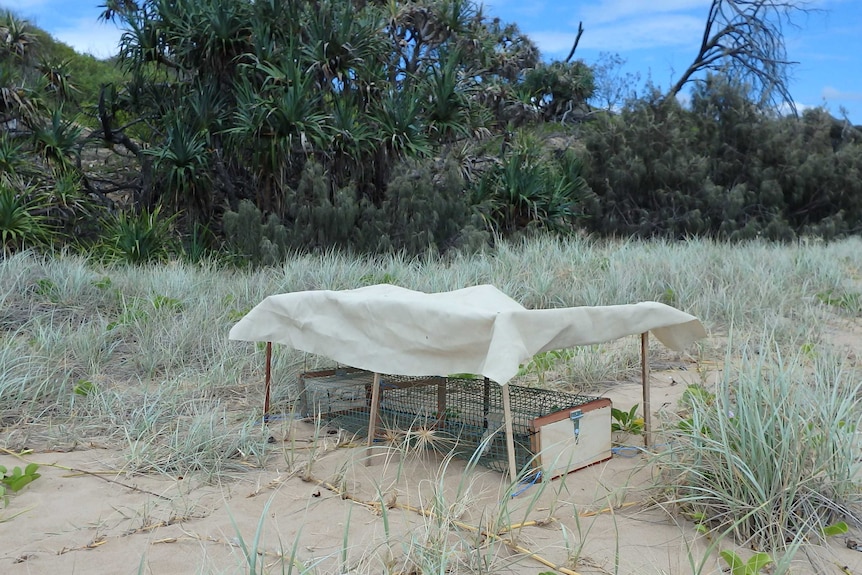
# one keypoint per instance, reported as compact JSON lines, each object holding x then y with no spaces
{"x":478,"y":330}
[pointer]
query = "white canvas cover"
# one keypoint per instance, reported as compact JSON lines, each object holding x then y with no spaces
{"x":480,"y":330}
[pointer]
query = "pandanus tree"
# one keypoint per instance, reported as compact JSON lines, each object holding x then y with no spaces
{"x":40,"y":181}
{"x":351,"y":86}
{"x":18,"y":101}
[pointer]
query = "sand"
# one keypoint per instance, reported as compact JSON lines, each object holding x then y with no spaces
{"x":85,"y":515}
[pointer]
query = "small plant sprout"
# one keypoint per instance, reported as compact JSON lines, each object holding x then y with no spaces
{"x":753,"y":566}
{"x":839,"y":528}
{"x":627,"y":421}
{"x":16,"y":479}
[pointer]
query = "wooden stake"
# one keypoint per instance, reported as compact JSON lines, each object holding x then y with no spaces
{"x":645,"y":384}
{"x":268,"y":380}
{"x":510,"y":434}
{"x":486,"y":402}
{"x":372,"y":418}
{"x":441,"y":400}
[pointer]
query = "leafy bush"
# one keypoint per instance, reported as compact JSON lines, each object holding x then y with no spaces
{"x":12,"y":157}
{"x":722,"y":169}
{"x":425,"y":208}
{"x":20,"y":225}
{"x":529,"y":188}
{"x":248,"y":236}
{"x":627,"y":421}
{"x":138,"y":238}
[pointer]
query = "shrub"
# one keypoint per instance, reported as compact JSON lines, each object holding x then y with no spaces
{"x":425,"y":208}
{"x":529,"y":188}
{"x":138,"y":238}
{"x":20,"y":225}
{"x":722,"y":169}
{"x":772,"y":454}
{"x":249,"y":237}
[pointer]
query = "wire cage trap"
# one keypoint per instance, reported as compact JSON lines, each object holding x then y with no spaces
{"x":553,"y":432}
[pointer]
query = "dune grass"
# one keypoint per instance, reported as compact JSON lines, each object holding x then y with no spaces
{"x":777,"y":444}
{"x":139,"y":357}
{"x":137,"y":334}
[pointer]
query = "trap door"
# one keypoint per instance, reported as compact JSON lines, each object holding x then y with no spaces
{"x":572,"y":439}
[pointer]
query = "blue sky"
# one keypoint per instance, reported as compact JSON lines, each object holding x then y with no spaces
{"x":656,"y":38}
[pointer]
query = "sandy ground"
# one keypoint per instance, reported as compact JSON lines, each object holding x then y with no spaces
{"x":83,"y":516}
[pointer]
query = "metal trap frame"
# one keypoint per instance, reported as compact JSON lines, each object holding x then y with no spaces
{"x":554,"y":432}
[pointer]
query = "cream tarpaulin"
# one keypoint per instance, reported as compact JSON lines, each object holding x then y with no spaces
{"x":481,"y":330}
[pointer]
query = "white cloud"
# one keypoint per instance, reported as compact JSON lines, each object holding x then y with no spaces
{"x":830,"y":93}
{"x":552,"y":42}
{"x":655,"y":32}
{"x":785,"y":110}
{"x":615,"y":10}
{"x":15,"y":5}
{"x":87,"y":36}
{"x":659,"y":31}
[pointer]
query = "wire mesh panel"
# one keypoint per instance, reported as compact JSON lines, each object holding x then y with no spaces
{"x":444,"y":413}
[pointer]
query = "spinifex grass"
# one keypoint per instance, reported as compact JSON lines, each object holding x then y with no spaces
{"x":774,"y":453}
{"x":179,"y":396}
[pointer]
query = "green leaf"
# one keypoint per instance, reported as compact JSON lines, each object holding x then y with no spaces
{"x":757,"y":562}
{"x":733,"y":561}
{"x":103,"y":283}
{"x":839,"y":528}
{"x":18,"y":483}
{"x":84,"y":388}
{"x":165,"y":302}
{"x":18,"y":479}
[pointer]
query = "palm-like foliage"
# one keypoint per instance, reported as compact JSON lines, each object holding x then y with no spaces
{"x":558,"y":87}
{"x":351,"y":139}
{"x":16,"y":37}
{"x":138,"y":238}
{"x":142,"y":42}
{"x":342,"y":45}
{"x":449,"y":109}
{"x":58,"y":78}
{"x":528,"y":189}
{"x":400,"y":125}
{"x":183,"y":161}
{"x":15,"y":100}
{"x":20,"y":226}
{"x":12,"y":158}
{"x":56,"y":141}
{"x":269,"y":87}
{"x":277,"y":124}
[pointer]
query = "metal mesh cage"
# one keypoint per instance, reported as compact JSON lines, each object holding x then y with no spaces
{"x":453,"y":414}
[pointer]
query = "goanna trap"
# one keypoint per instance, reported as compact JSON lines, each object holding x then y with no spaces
{"x":552,"y":430}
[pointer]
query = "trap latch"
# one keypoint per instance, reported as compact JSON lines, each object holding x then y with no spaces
{"x":576,"y":416}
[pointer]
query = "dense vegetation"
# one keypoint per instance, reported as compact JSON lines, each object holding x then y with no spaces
{"x":271,"y":127}
{"x":268,"y":127}
{"x":723,"y":169}
{"x":137,"y":357}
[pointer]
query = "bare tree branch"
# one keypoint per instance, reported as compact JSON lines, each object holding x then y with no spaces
{"x":745,"y":40}
{"x":577,"y":40}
